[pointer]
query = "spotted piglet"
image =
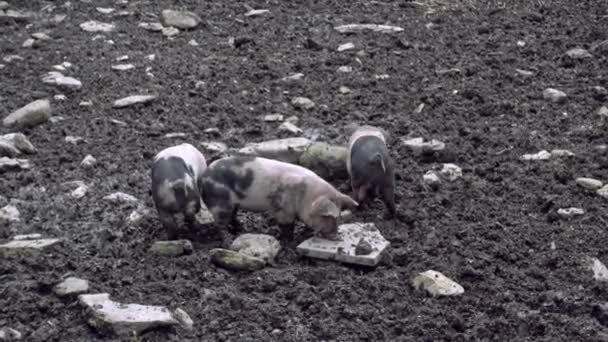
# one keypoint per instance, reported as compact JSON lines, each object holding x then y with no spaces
{"x":370,"y":166}
{"x":176,"y":174}
{"x":286,"y":190}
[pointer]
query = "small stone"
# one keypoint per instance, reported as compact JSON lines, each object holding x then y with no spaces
{"x":88,"y":162}
{"x":261,"y":246}
{"x":432,"y":179}
{"x":10,"y":334}
{"x":120,"y":197}
{"x":437,"y":284}
{"x":124,"y":319}
{"x":57,"y":119}
{"x":123,"y":67}
{"x":71,"y":286}
{"x":419,"y":146}
{"x":118,"y":122}
{"x":170,"y":31}
{"x":131,"y":100}
{"x":451,"y":172}
{"x":214,"y":146}
{"x":525,"y":73}
{"x":79,"y":192}
{"x":600,"y":93}
{"x":589,"y":183}
{"x":553,"y":246}
{"x":10,"y":58}
{"x":179,"y":135}
{"x":73,"y":140}
{"x":172,"y":248}
{"x":17,"y":15}
{"x":12,"y":164}
{"x":343,"y":249}
{"x":212,"y":130}
{"x":104,"y":10}
{"x":382,"y":77}
{"x":273,"y":117}
{"x":60,"y":97}
{"x":34,"y":236}
{"x":554,"y":95}
{"x":256,"y":12}
{"x":355,"y":28}
{"x":561,"y":153}
{"x":291,"y":128}
{"x":603,"y":112}
{"x":345,"y":69}
{"x":28,"y":43}
{"x":286,"y":150}
{"x":155,"y":27}
{"x":58,"y":79}
{"x":151,"y":57}
{"x":603,"y":191}
{"x":15,"y":144}
{"x":570,"y":212}
{"x":235,"y":261}
{"x":10,"y":213}
{"x":26,"y":247}
{"x":303,"y":103}
{"x":600,"y":272}
{"x":346,"y":215}
{"x":41,"y":36}
{"x":30,"y":115}
{"x":96,"y":26}
{"x":363,"y":248}
{"x":192,"y":42}
{"x":294,"y":77}
{"x":346,"y":46}
{"x":293,"y":119}
{"x":183,"y":318}
{"x":86,"y":104}
{"x":542,"y":155}
{"x":180,"y":19}
{"x":578,"y":53}
{"x":521,"y":43}
{"x":344,"y":90}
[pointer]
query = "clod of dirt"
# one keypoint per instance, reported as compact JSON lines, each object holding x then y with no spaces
{"x":26,"y":247}
{"x":235,"y":261}
{"x":96,"y":26}
{"x":124,"y":319}
{"x":180,"y":19}
{"x":554,"y":95}
{"x":261,"y":246}
{"x":171,"y":248}
{"x":71,"y":286}
{"x":131,"y":100}
{"x":437,"y":284}
{"x":589,"y":183}
{"x":30,"y":115}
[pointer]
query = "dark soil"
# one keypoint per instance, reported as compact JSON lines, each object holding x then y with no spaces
{"x":490,"y":231}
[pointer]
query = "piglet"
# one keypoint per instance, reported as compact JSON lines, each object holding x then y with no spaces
{"x":287,"y":191}
{"x":176,"y":175}
{"x":370,"y":166}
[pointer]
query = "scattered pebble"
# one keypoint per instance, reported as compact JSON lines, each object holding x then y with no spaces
{"x":603,"y":112}
{"x":79,"y":192}
{"x":172,"y":248}
{"x":293,"y":119}
{"x":174,"y":135}
{"x":41,"y":36}
{"x":344,"y":90}
{"x":525,"y":73}
{"x":603,"y":191}
{"x":88,"y":162}
{"x":346,"y":46}
{"x":193,"y":42}
{"x":355,"y":28}
{"x":294,"y":77}
{"x":120,"y":197}
{"x":71,"y":286}
{"x":26,"y":247}
{"x":542,"y":155}
{"x":303,"y":103}
{"x":289,"y":127}
{"x":273,"y":117}
{"x":155,"y":27}
{"x":557,"y":153}
{"x":70,"y":139}
{"x":170,"y":31}
{"x":86,"y":104}
{"x":256,"y":12}
{"x":12,"y":164}
{"x":235,"y":261}
{"x":600,"y":272}
{"x":262,"y":246}
{"x":554,"y":95}
{"x":10,"y":213}
{"x":214,"y":146}
{"x":60,"y":97}
{"x":28,"y":43}
{"x":589,"y":183}
{"x":180,"y":19}
{"x":131,"y":100}
{"x":104,"y":10}
{"x":10,"y":58}
{"x":30,"y":115}
{"x":10,"y":334}
{"x":58,"y":79}
{"x":432,"y":179}
{"x":123,"y":67}
{"x":419,"y":145}
{"x":570,"y":212}
{"x":578,"y":53}
{"x":451,"y":172}
{"x":437,"y":284}
{"x":15,"y":144}
{"x":96,"y":26}
{"x":345,"y":69}
{"x":17,"y":15}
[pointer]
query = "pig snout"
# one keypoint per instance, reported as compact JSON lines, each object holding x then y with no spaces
{"x":174,"y":188}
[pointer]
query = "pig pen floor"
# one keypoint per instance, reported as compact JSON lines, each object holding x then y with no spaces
{"x":492,"y":231}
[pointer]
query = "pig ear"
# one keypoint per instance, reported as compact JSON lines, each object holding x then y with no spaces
{"x":346,"y":201}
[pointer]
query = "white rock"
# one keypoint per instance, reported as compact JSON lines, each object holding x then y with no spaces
{"x":96,"y":26}
{"x":286,"y":150}
{"x":578,"y":53}
{"x":303,"y":102}
{"x":289,"y":127}
{"x":34,"y":236}
{"x":525,"y":73}
{"x":88,"y":162}
{"x":10,"y":213}
{"x":382,"y":77}
{"x":26,"y":247}
{"x":600,"y":272}
{"x":60,"y":97}
{"x":71,"y":286}
{"x":86,"y":104}
{"x":603,"y":191}
{"x":15,"y":144}
{"x":357,"y":243}
{"x":418,"y":145}
{"x":451,"y":172}
{"x":155,"y":27}
{"x":346,"y":46}
{"x":73,"y":140}
{"x":79,"y":192}
{"x":437,"y":284}
{"x":294,"y":77}
{"x":345,"y":69}
{"x":557,"y":153}
{"x":589,"y":183}
{"x":10,"y":58}
{"x":355,"y":28}
{"x":273,"y":117}
{"x":255,"y":12}
{"x":183,"y":318}
{"x":118,"y":122}
{"x":521,"y":43}
{"x":603,"y":112}
{"x":56,"y":119}
{"x":58,"y":79}
{"x":570,"y":212}
{"x":10,"y":334}
{"x":17,"y":15}
{"x":554,"y":95}
{"x":175,"y":135}
{"x":192,"y":42}
{"x":41,"y":36}
{"x":344,"y":90}
{"x":131,"y":100}
{"x":7,"y":164}
{"x":151,"y":57}
{"x":123,"y":67}
{"x":431,"y":178}
{"x":104,"y":10}
{"x":28,"y":43}
{"x":30,"y":115}
{"x":542,"y":155}
{"x":260,"y":246}
{"x":120,"y":197}
{"x":180,"y":19}
{"x":214,"y":146}
{"x":124,"y":319}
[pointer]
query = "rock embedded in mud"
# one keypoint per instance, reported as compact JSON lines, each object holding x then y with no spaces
{"x":170,"y":31}
{"x":214,"y":146}
{"x":420,"y":146}
{"x":437,"y":284}
{"x":172,"y":248}
{"x":554,"y":95}
{"x":96,"y":26}
{"x":131,"y":100}
{"x":345,"y":47}
{"x":451,"y":172}
{"x":578,"y":53}
{"x":29,"y":115}
{"x":603,"y":191}
{"x":344,"y":248}
{"x":71,"y":286}
{"x":10,"y":334}
{"x":327,"y":161}
{"x":600,"y":272}
{"x":542,"y":155}
{"x":26,"y":247}
{"x":261,"y":246}
{"x":120,"y":197}
{"x":15,"y":144}
{"x":88,"y":162}
{"x":235,"y":261}
{"x":154,"y":27}
{"x":273,"y":117}
{"x":286,"y":150}
{"x":10,"y":213}
{"x":570,"y":212}
{"x":431,"y":179}
{"x":589,"y":183}
{"x":12,"y":164}
{"x":106,"y":315}
{"x":302,"y":103}
{"x":180,"y":19}
{"x":558,"y":153}
{"x":58,"y":79}
{"x":291,"y":128}
{"x":355,"y":28}
{"x":183,"y":318}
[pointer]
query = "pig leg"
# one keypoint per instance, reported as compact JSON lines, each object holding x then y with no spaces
{"x":388,"y":197}
{"x":286,"y":223}
{"x":169,"y":223}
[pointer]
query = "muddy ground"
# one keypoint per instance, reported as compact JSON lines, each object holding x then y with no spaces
{"x":491,"y":231}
